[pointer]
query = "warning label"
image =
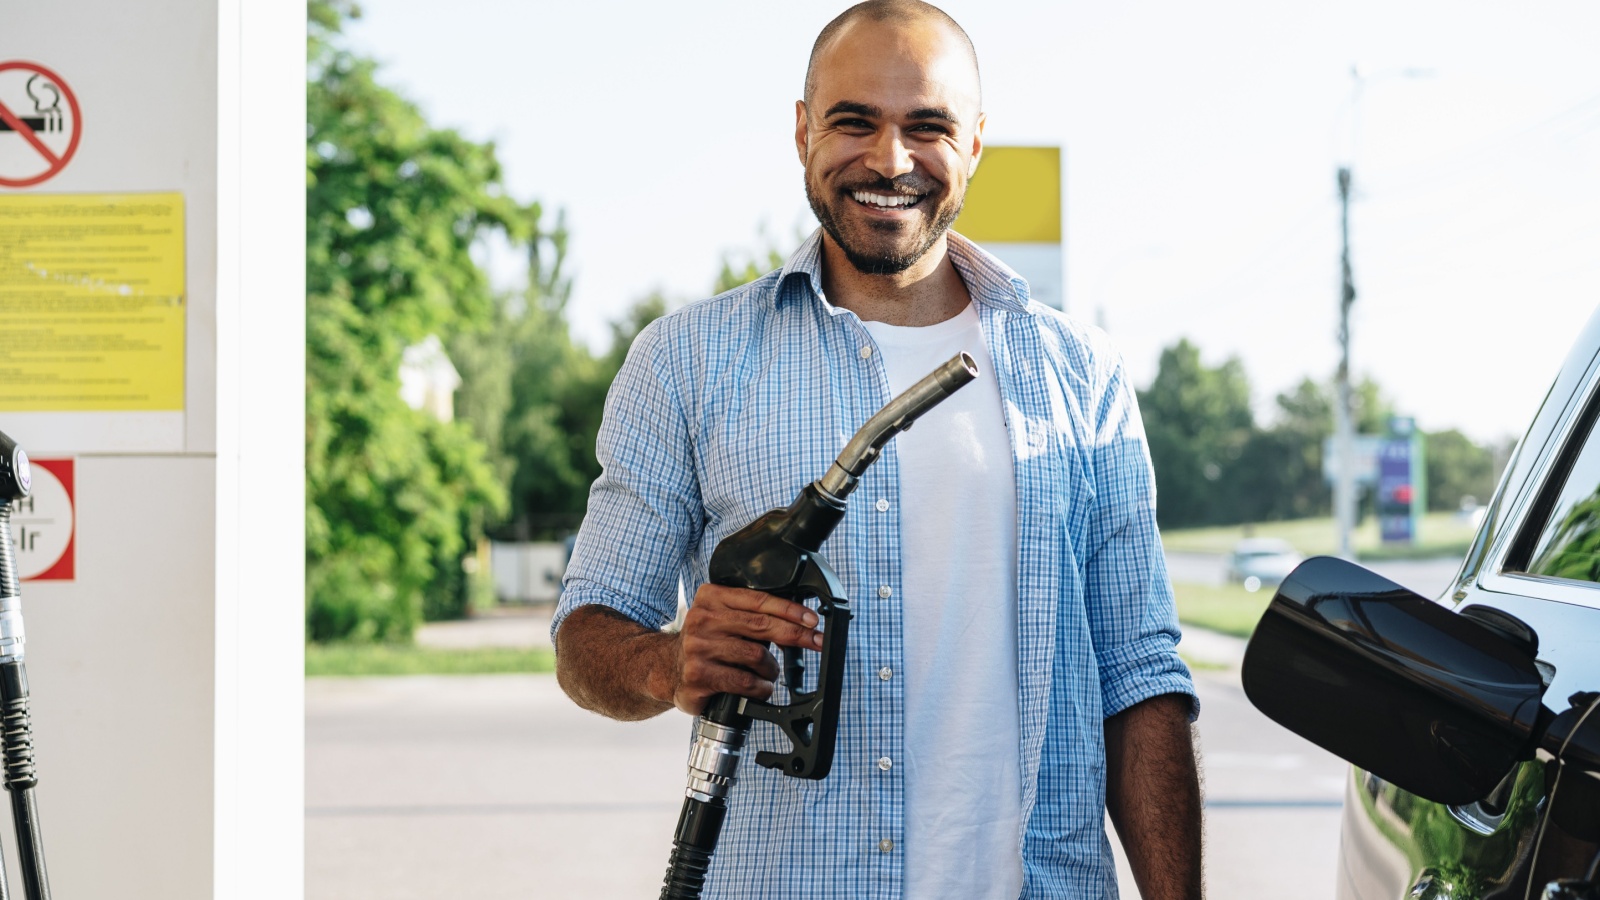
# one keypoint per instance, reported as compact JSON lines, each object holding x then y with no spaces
{"x":91,"y":302}
{"x":43,"y":524}
{"x":40,"y":124}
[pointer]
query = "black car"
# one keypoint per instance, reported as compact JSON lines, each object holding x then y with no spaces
{"x":1473,"y":720}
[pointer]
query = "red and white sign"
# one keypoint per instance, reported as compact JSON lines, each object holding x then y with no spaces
{"x":40,"y":124}
{"x":44,"y":524}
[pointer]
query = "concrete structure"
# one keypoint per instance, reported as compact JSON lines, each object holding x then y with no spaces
{"x":528,"y":571}
{"x":152,"y":328}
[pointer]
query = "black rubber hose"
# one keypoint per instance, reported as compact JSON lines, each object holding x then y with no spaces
{"x":699,"y":825}
{"x":17,"y":727}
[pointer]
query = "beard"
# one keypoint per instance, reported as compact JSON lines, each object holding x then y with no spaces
{"x":871,"y":246}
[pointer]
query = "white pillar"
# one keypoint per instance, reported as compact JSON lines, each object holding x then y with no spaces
{"x":167,"y":673}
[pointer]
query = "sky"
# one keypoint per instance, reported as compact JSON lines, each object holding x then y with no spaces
{"x":1200,"y":143}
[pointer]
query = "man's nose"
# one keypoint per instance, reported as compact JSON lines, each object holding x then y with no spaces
{"x":889,"y":156}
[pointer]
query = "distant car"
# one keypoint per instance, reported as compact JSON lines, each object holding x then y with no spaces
{"x":1258,"y":562}
{"x":1474,"y":719}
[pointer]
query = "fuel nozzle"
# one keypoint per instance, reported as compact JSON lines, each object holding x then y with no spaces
{"x":16,"y":481}
{"x":15,"y":478}
{"x":897,"y":416}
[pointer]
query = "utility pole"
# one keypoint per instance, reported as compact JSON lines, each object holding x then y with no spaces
{"x":1344,"y":428}
{"x":1344,"y":485}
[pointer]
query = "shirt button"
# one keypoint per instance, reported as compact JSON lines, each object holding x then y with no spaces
{"x":883,"y":505}
{"x":885,"y":673}
{"x":886,"y":592}
{"x":885,"y":763}
{"x":886,"y":845}
{"x":866,"y":351}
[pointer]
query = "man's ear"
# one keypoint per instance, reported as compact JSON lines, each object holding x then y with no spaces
{"x":977,"y":144}
{"x":800,"y":138}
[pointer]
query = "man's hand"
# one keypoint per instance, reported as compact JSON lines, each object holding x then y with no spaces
{"x":723,"y":646}
{"x":1153,"y":795}
{"x":614,"y":666}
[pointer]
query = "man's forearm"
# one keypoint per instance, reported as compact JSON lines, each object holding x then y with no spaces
{"x":612,"y":665}
{"x":1153,"y":796}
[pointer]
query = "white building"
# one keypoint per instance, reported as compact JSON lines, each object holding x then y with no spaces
{"x":428,"y":380}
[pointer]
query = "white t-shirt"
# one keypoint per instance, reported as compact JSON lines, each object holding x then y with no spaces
{"x":959,"y":561}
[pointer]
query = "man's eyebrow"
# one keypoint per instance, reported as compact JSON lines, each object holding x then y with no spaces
{"x":853,"y":108}
{"x":924,"y":113}
{"x":934,"y":112}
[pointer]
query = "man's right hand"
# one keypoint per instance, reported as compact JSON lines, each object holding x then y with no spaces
{"x":614,"y":666}
{"x":723,"y":646}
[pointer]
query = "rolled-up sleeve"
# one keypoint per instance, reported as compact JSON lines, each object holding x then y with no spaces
{"x":644,"y":509}
{"x":1132,"y":617}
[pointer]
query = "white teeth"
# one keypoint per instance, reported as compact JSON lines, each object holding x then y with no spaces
{"x":896,"y":200}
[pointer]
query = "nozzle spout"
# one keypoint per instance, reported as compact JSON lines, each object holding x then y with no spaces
{"x":864,"y":447}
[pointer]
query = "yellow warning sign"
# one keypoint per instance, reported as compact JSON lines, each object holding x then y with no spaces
{"x":91,"y":302}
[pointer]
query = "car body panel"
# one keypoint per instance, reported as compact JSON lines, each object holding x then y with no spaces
{"x":1396,"y":845}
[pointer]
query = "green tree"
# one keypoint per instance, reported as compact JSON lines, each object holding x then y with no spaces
{"x":394,"y":207}
{"x":743,"y":269}
{"x":1457,"y":468}
{"x":1280,"y":471}
{"x":1198,"y":420}
{"x":535,"y":396}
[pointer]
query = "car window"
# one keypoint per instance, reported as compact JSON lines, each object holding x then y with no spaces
{"x":1568,"y":545}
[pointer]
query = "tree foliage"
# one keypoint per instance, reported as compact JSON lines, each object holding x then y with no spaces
{"x":742,"y":269}
{"x":1198,"y":421}
{"x":394,"y":208}
{"x":1216,"y":466}
{"x":535,"y":394}
{"x":1458,"y":469}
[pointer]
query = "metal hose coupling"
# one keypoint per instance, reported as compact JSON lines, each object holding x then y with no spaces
{"x":713,"y":761}
{"x":15,"y":483}
{"x":895,"y":417}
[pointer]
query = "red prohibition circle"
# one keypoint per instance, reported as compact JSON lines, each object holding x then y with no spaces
{"x":77,"y":126}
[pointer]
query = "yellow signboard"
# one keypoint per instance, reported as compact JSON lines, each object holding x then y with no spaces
{"x":1014,"y":197}
{"x":91,"y":302}
{"x":1013,"y":210}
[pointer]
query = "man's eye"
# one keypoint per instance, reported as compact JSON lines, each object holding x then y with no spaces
{"x":852,"y":124}
{"x":930,"y":129}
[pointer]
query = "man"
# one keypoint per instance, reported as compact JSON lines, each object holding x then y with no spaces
{"x":1011,"y":671}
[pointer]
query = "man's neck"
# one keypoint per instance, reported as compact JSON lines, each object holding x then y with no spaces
{"x":928,"y":293}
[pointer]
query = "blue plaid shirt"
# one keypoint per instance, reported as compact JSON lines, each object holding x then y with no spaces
{"x":728,"y":407}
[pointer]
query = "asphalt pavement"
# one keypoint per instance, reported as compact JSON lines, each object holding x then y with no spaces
{"x":1428,"y":577}
{"x":499,"y":787}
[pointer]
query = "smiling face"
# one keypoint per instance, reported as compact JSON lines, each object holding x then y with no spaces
{"x":889,"y":136}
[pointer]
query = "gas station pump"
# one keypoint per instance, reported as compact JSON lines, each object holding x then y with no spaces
{"x":16,"y":727}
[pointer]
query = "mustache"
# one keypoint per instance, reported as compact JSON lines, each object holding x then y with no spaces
{"x":909,"y":184}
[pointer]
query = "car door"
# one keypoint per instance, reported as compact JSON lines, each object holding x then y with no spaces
{"x":1537,"y":559}
{"x":1532,"y":577}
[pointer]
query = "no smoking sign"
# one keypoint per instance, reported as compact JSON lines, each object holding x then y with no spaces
{"x":44,"y":526}
{"x":40,"y":124}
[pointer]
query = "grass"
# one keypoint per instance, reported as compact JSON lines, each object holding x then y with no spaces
{"x":1438,"y":534}
{"x":405,"y":659}
{"x":1227,"y":608}
{"x":1202,"y":665}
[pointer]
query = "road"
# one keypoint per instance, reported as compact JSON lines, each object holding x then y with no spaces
{"x":498,"y":787}
{"x":1428,"y":577}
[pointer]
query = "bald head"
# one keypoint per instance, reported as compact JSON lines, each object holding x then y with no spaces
{"x":887,"y":12}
